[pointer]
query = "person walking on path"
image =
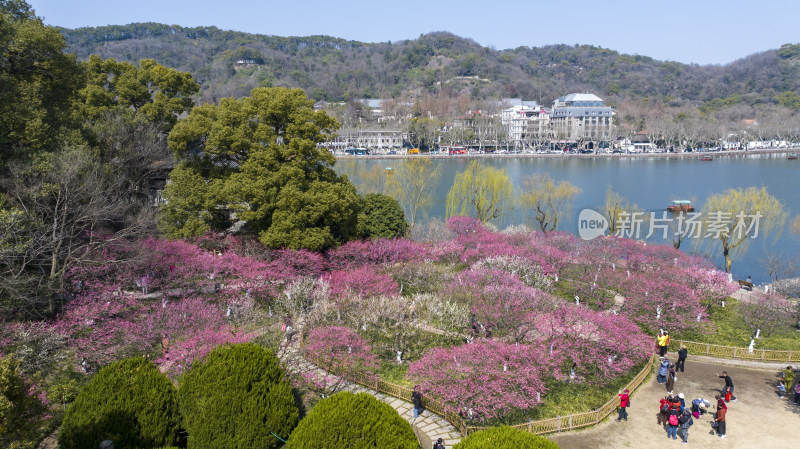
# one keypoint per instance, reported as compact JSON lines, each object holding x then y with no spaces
{"x":671,"y":379}
{"x":663,"y":369}
{"x":624,"y":402}
{"x":685,"y":422}
{"x":728,"y":385}
{"x":781,"y":389}
{"x":682,"y":353}
{"x":722,"y":410}
{"x":439,"y":444}
{"x":416,"y":399}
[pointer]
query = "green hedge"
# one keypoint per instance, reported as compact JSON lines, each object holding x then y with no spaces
{"x":353,"y":421}
{"x":129,"y":402}
{"x":236,"y":399}
{"x":505,"y":438}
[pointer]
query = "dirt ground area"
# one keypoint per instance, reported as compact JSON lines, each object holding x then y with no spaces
{"x":759,"y":419}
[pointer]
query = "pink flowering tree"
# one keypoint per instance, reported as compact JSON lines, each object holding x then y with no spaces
{"x":500,"y":301}
{"x":364,"y":282}
{"x":341,"y":352}
{"x":602,"y":345}
{"x":486,"y":379}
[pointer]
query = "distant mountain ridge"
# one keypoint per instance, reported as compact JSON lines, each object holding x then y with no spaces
{"x":336,"y":69}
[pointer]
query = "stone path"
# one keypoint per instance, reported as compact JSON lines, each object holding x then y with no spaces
{"x":428,"y":426}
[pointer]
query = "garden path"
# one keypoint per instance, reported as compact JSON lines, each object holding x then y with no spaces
{"x":428,"y":427}
{"x":758,"y":419}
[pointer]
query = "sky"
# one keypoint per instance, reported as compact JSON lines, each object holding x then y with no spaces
{"x":699,"y":31}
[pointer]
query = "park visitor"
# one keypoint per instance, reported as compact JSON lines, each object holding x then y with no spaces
{"x":439,"y":444}
{"x":722,"y":410}
{"x":671,"y":379}
{"x":788,"y":377}
{"x":672,"y":420}
{"x":624,"y":402}
{"x":416,"y":399}
{"x":663,"y":369}
{"x":728,"y":387}
{"x":663,"y":410}
{"x":797,"y":394}
{"x":781,"y":389}
{"x":682,"y":353}
{"x":685,"y":422}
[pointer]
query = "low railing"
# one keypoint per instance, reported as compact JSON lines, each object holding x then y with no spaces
{"x":734,"y":353}
{"x":398,"y":391}
{"x":549,"y":425}
{"x":578,"y":420}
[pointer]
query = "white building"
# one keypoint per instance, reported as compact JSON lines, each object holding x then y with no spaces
{"x":377,"y":140}
{"x":526,"y":124}
{"x":581,"y":117}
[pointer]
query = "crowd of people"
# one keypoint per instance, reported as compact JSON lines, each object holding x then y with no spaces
{"x":676,"y":416}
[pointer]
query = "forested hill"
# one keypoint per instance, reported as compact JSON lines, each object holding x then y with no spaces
{"x":335,"y":69}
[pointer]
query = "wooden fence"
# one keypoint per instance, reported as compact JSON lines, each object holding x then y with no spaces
{"x":550,"y":425}
{"x":734,"y":353}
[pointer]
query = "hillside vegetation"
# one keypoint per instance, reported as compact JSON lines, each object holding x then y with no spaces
{"x":334,"y":69}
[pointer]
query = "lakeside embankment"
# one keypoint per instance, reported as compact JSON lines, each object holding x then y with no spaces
{"x":735,"y":153}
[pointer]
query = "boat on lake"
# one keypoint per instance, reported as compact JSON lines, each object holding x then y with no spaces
{"x":792,"y":157}
{"x":706,"y":158}
{"x":681,"y":206}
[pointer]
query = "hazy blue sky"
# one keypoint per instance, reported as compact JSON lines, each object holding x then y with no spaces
{"x":699,"y":31}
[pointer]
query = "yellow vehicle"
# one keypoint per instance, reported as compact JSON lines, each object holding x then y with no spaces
{"x":413,"y":151}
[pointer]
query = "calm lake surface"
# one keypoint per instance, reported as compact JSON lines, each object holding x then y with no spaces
{"x":651,"y":183}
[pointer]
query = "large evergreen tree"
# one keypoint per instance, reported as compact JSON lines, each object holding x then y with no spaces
{"x":38,"y":82}
{"x":257,"y":158}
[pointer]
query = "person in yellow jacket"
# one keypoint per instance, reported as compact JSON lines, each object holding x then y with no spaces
{"x":662,"y":344}
{"x":788,"y":378}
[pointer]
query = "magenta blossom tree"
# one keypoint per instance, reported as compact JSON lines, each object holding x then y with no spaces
{"x":602,"y":345}
{"x":486,"y":379}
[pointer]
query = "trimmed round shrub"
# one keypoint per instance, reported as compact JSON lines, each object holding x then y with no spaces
{"x":129,"y":402}
{"x":382,"y":217}
{"x":235,"y":398}
{"x":505,"y":438}
{"x":353,"y":421}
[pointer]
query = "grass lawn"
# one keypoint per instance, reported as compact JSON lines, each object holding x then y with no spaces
{"x":730,"y":330}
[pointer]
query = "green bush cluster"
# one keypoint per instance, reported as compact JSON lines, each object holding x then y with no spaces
{"x":237,"y":398}
{"x":382,"y":217}
{"x":129,"y":402}
{"x":505,"y":438}
{"x":353,"y":421}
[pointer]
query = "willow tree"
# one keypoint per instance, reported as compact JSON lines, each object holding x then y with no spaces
{"x":737,"y":216}
{"x":545,"y":200}
{"x":796,"y":224}
{"x":411,"y":184}
{"x":619,"y":211}
{"x":482,"y":192}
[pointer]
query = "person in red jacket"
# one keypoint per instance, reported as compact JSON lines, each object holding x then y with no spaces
{"x":722,"y":410}
{"x":624,"y":402}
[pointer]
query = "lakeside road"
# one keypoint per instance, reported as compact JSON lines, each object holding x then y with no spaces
{"x":693,"y":155}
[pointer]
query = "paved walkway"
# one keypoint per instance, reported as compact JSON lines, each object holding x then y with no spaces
{"x":428,"y":427}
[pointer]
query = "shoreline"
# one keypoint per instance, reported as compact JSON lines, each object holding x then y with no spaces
{"x":713,"y":154}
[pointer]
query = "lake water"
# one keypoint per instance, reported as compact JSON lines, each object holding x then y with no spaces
{"x":651,"y":183}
